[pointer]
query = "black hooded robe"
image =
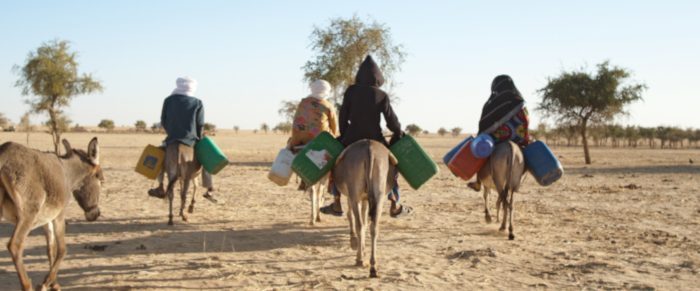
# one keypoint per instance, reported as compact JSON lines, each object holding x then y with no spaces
{"x":363,"y":105}
{"x":504,"y":103}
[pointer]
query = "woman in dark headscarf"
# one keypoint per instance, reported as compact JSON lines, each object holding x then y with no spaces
{"x":360,"y":115}
{"x":504,"y":116}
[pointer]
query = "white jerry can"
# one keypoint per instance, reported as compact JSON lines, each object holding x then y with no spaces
{"x":281,"y":170}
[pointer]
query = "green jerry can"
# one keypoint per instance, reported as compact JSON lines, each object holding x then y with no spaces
{"x":414,"y":163}
{"x":317,"y":158}
{"x":210,"y":155}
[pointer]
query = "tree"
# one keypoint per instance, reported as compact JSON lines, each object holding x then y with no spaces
{"x":140,"y":125}
{"x":456,"y":131}
{"x":284,"y":127}
{"x":287,"y":110}
{"x":583,"y":99}
{"x":26,"y":125}
{"x":51,"y":75}
{"x":236,"y":129}
{"x":413,"y":129}
{"x":107,"y":124}
{"x":157,"y":127}
{"x":442,"y":131}
{"x":264,"y":127}
{"x":4,"y":122}
{"x":343,"y":45}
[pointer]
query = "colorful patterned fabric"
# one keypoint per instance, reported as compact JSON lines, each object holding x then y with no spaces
{"x":515,"y":129}
{"x":312,"y":117}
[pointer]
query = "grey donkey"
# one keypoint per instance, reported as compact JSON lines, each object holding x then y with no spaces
{"x":35,"y":188}
{"x":180,"y":165}
{"x":364,"y":172}
{"x":503,"y":172}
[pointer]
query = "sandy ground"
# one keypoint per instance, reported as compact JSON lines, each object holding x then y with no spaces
{"x":629,"y":221}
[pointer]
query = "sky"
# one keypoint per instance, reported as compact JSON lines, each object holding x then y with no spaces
{"x":247,"y":55}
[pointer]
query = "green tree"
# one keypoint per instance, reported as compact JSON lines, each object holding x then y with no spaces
{"x":342,"y":46}
{"x":50,"y":74}
{"x":456,"y":131}
{"x":584,"y":99}
{"x":442,"y":131}
{"x":140,"y":125}
{"x":236,"y":128}
{"x":413,"y":129}
{"x":107,"y":124}
{"x":25,"y":125}
{"x":288,"y":109}
{"x":284,"y":127}
{"x":157,"y":127}
{"x":264,"y":127}
{"x":209,"y":127}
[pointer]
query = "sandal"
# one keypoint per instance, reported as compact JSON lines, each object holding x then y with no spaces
{"x":328,"y":209}
{"x":157,"y":193}
{"x":403,"y":211}
{"x":210,"y":197}
{"x":476,"y":186}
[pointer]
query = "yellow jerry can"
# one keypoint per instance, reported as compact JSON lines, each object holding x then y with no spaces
{"x":151,"y":162}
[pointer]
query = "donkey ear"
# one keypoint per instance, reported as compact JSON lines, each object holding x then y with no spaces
{"x":94,"y":151}
{"x":69,"y":149}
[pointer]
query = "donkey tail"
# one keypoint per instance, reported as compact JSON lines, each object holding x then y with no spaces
{"x":371,"y":199}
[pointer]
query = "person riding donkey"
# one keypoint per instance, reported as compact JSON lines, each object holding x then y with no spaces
{"x":182,"y":118}
{"x":360,"y":116}
{"x":313,"y":115}
{"x":504,"y":116}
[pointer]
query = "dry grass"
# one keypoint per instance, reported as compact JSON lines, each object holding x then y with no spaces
{"x":628,"y":221}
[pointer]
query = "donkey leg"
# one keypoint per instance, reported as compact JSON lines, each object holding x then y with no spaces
{"x":319,"y":199}
{"x":314,"y":206}
{"x":359,"y":228}
{"x":194,"y":194}
{"x":503,"y":204}
{"x":16,"y":249}
{"x":487,"y":215}
{"x":183,"y":198}
{"x":511,"y":236}
{"x":374,"y":228}
{"x":353,"y":231}
{"x":50,"y":242}
{"x":169,"y":192}
{"x":50,"y":282}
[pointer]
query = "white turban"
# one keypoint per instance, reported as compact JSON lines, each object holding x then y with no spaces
{"x":320,"y":89}
{"x":185,"y":86}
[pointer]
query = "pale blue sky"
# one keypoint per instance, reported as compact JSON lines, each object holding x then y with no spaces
{"x":247,"y":55}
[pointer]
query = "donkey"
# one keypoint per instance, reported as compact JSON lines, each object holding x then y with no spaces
{"x":35,"y":188}
{"x":180,"y":164}
{"x":503,"y":172}
{"x":364,"y":172}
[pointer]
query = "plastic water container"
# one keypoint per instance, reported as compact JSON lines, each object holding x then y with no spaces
{"x":210,"y":155}
{"x":542,"y":163}
{"x":446,"y":159}
{"x":463,"y":163}
{"x":281,"y":170}
{"x":151,"y":162}
{"x":317,"y":158}
{"x":414,"y":163}
{"x":482,"y":146}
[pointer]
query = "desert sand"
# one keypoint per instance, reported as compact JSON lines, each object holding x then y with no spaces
{"x":631,"y":220}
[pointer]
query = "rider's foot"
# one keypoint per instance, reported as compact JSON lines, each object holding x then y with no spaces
{"x":209,"y":195}
{"x":476,"y":186}
{"x":157,"y":192}
{"x":334,"y":208}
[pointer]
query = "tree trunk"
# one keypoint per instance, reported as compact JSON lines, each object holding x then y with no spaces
{"x":53,"y":128}
{"x":586,"y":153}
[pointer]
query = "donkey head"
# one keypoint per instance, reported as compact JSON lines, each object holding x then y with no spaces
{"x":88,"y":191}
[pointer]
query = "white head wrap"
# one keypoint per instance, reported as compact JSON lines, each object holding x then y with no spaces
{"x":185,"y":86}
{"x":320,"y":89}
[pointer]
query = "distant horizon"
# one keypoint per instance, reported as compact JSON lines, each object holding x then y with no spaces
{"x":247,"y":57}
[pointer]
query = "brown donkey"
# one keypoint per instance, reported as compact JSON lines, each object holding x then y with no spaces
{"x":35,"y":188}
{"x":503,"y":172}
{"x":364,"y":172}
{"x":180,"y":164}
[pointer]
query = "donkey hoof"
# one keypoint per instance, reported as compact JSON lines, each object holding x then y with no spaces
{"x":190,"y":209}
{"x":353,"y":243}
{"x":488,"y":219}
{"x":511,"y":236}
{"x":373,"y":273}
{"x":170,"y":222}
{"x":359,"y":263}
{"x":184,"y":218}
